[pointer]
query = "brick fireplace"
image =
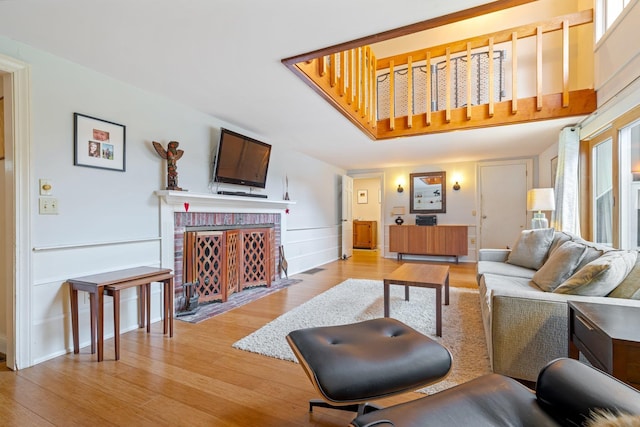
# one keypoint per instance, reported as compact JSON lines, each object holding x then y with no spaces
{"x":183,"y":211}
{"x":185,"y":221}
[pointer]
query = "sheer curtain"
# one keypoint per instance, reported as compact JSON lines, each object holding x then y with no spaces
{"x":566,"y":216}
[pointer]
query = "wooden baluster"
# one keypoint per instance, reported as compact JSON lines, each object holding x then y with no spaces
{"x":428,"y":77}
{"x":447,"y":91}
{"x":539,"y":68}
{"x":565,"y":63}
{"x":469,"y":80}
{"x":374,"y":91}
{"x":392,"y":112}
{"x":409,"y":92}
{"x":322,"y":66}
{"x":492,"y":86}
{"x":352,"y":68}
{"x":365,"y":80}
{"x":343,"y":73}
{"x":514,"y":72}
{"x":357,"y":89}
{"x":333,"y":70}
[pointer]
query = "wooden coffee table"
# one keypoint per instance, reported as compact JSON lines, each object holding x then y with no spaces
{"x":424,"y":276}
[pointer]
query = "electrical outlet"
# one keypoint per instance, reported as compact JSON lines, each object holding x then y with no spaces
{"x":48,"y":206}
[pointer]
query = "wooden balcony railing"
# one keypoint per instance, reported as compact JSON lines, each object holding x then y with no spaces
{"x":348,"y":80}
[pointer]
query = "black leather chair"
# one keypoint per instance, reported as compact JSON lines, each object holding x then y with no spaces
{"x":567,"y":393}
{"x":352,"y":364}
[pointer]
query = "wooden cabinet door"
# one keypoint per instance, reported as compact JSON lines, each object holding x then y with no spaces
{"x":456,"y":240}
{"x":399,"y":238}
{"x":438,"y":240}
{"x":418,"y":239}
{"x":364,"y":234}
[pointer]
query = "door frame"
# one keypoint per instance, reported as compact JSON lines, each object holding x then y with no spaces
{"x":17,"y":224}
{"x":382,"y":226}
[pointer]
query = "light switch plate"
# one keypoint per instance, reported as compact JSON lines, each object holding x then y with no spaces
{"x":46,"y":187}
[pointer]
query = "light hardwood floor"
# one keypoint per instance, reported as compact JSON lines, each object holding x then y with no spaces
{"x":195,"y":378}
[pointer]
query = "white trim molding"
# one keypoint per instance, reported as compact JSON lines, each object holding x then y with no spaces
{"x":17,"y":91}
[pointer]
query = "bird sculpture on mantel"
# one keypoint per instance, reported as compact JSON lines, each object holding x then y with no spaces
{"x":171,"y":155}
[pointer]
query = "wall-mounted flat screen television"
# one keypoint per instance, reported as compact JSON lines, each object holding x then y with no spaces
{"x":241,"y":160}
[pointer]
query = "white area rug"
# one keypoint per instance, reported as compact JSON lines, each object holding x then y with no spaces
{"x":355,"y":300}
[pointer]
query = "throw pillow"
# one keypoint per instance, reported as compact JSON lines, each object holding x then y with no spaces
{"x":600,"y":276}
{"x":559,"y":237}
{"x":590,"y":254}
{"x":531,"y":248}
{"x":560,"y":266}
{"x":630,"y":286}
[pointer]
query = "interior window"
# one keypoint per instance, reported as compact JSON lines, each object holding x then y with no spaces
{"x":606,"y":13}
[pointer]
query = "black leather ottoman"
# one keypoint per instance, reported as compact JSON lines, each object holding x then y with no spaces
{"x":352,"y":364}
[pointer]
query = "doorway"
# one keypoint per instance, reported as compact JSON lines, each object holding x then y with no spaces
{"x":16,"y":276}
{"x":502,"y":191}
{"x":368,"y":196}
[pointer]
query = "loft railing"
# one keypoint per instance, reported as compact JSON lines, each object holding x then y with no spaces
{"x":426,"y":90}
{"x":478,"y":81}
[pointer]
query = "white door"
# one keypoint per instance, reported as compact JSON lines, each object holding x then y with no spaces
{"x":503,"y":201}
{"x":347,"y":216}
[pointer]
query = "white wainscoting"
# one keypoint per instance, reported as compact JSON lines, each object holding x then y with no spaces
{"x":311,"y":247}
{"x":51,"y":308}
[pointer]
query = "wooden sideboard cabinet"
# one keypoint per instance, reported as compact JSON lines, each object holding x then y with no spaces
{"x":365,"y":234}
{"x":440,"y":240}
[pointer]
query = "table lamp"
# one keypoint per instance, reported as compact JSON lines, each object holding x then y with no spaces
{"x":398,"y":210}
{"x":540,"y":199}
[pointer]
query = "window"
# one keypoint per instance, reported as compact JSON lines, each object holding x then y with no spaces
{"x":610,"y":183}
{"x":606,"y":13}
{"x":603,"y":193}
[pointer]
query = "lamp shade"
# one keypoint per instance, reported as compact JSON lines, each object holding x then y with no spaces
{"x":397,"y":210}
{"x":541,"y":199}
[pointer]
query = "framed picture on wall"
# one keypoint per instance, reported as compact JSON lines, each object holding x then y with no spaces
{"x":98,"y":143}
{"x":363,"y":196}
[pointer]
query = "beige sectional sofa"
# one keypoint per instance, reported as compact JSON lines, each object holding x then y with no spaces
{"x":524,"y":293}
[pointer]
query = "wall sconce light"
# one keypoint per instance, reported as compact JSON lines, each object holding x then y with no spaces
{"x":456,"y":186}
{"x":400,"y":189}
{"x":398,"y":210}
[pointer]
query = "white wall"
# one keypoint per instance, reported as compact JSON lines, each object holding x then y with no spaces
{"x":617,"y":55}
{"x":110,"y":220}
{"x":461,"y":204}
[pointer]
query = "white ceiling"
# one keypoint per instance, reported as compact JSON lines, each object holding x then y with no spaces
{"x":223,"y":57}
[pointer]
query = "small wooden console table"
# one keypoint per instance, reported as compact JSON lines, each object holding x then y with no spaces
{"x":111,"y":283}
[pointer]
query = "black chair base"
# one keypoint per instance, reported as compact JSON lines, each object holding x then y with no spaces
{"x":359,"y":408}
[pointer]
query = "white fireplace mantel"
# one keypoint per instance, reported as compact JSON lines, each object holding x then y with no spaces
{"x":205,"y":200}
{"x":174,"y":201}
